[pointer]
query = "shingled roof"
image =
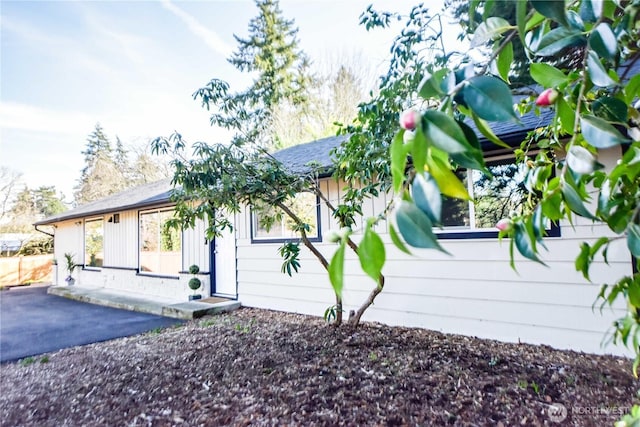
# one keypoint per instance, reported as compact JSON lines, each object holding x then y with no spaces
{"x":298,"y":158}
{"x":146,"y":195}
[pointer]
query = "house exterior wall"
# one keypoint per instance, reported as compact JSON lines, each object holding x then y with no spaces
{"x":120,"y":267}
{"x":473,"y":292}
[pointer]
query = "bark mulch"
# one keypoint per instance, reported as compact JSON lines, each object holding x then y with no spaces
{"x":262,"y":367}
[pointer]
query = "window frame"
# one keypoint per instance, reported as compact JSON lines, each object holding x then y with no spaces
{"x":85,"y":261}
{"x":141,"y":272}
{"x":450,"y":233}
{"x":254,"y":239}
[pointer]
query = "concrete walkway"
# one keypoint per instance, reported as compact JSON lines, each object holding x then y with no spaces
{"x":143,"y":303}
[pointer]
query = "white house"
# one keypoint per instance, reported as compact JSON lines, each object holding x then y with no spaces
{"x":120,"y":244}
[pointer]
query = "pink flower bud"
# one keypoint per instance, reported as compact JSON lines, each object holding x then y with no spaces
{"x":504,"y":224}
{"x":409,"y":119}
{"x":547,"y":97}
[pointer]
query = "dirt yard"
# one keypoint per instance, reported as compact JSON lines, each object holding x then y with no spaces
{"x":267,"y":368}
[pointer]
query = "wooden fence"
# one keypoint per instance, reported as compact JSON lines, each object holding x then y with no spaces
{"x":26,"y":269}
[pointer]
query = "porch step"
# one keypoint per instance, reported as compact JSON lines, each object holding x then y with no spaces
{"x":196,"y":309}
{"x":143,"y":303}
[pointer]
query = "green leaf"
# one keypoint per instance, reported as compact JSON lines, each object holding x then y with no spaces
{"x":582,"y":260}
{"x":603,"y":41}
{"x":596,"y":71}
{"x":590,"y":10}
{"x":435,"y":85}
{"x":632,"y":89}
{"x":554,"y":9}
{"x":395,"y":238}
{"x":559,"y":39}
{"x":634,"y":293}
{"x":633,"y":239}
{"x":551,"y":206}
{"x":600,"y":133}
{"x":427,"y":197}
{"x":419,"y":150}
{"x":448,"y":182}
{"x":574,"y":20}
{"x":573,"y":200}
{"x":566,"y":115}
{"x":415,"y":227}
{"x":524,"y":243}
{"x":610,"y":109}
{"x":490,"y":98}
{"x":547,"y":75}
{"x":398,"y":154}
{"x":470,"y":159}
{"x":371,"y":253}
{"x":504,"y":61}
{"x":443,"y":132}
{"x":490,"y":29}
{"x":486,"y":130}
{"x":336,"y":270}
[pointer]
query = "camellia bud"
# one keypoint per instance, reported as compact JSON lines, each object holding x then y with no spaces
{"x":547,"y":97}
{"x":332,"y":236}
{"x":409,"y":119}
{"x":504,"y":224}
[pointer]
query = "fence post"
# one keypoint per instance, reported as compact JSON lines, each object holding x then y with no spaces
{"x":19,"y":269}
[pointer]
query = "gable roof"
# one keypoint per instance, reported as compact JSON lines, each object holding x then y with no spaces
{"x":146,"y":195}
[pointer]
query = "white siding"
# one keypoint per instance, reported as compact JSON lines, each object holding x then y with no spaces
{"x":472,"y":292}
{"x":121,"y":259}
{"x":69,"y":238}
{"x":121,"y":240}
{"x":195,"y":247}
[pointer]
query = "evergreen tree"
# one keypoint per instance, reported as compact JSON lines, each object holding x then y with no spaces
{"x":121,"y":159}
{"x":101,"y":176}
{"x":46,"y":201}
{"x":271,"y":53}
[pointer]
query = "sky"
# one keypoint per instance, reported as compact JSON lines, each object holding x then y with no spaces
{"x":132,"y":66}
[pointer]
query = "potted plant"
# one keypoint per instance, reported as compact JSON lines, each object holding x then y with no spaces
{"x":71,"y":265}
{"x":194,"y":282}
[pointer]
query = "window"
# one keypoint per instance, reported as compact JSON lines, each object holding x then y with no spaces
{"x":495,"y":199}
{"x":270,"y":225}
{"x":160,"y":246}
{"x":93,"y":243}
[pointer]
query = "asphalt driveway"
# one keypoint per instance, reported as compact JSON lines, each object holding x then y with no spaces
{"x":33,"y":322}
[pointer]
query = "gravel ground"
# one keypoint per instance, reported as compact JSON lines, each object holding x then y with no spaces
{"x":259,"y":367}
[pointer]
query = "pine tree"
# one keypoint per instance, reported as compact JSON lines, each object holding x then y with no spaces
{"x":100,"y":176}
{"x":270,"y":52}
{"x":47,"y":202}
{"x":121,"y":159}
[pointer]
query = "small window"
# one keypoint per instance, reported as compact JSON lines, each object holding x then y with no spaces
{"x":160,"y":246}
{"x":269,"y":225}
{"x":496,"y":198}
{"x":93,"y":243}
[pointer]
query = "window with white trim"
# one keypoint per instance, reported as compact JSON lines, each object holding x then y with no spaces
{"x":270,"y":225}
{"x":94,"y":242}
{"x":160,"y":246}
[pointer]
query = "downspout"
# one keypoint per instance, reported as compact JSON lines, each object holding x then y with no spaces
{"x":42,"y":231}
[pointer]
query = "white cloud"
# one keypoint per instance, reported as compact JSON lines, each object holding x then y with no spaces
{"x":210,"y":38}
{"x":31,"y":118}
